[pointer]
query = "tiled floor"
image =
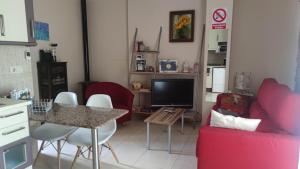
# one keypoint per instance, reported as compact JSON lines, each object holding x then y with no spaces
{"x":130,"y":145}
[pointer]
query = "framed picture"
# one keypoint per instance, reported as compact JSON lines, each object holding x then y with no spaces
{"x":167,"y":66}
{"x":182,"y":26}
{"x":41,"y":31}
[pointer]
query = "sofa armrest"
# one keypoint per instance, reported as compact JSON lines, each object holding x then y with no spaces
{"x":128,"y":97}
{"x":219,"y":148}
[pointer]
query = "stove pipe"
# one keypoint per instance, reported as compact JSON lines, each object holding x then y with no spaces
{"x":85,"y":41}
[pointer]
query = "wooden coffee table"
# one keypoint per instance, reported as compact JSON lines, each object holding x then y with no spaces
{"x":165,"y":116}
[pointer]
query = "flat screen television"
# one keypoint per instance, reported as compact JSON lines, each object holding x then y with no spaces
{"x":172,"y":93}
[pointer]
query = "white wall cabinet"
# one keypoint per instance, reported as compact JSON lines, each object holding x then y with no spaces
{"x":16,"y":26}
{"x":216,"y":36}
{"x":13,"y":21}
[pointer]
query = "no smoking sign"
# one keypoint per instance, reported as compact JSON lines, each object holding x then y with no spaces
{"x":219,"y":18}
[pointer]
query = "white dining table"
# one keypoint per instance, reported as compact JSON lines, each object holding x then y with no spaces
{"x":80,"y":116}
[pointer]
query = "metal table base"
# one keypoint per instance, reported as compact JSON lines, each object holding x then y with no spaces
{"x":169,"y":134}
{"x":95,"y":148}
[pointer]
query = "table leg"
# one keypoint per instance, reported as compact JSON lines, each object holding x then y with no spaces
{"x":169,"y":138}
{"x":58,"y":153}
{"x":95,"y":148}
{"x":148,"y":136}
{"x":182,"y":122}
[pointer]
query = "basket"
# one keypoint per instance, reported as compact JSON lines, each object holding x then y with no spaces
{"x":41,"y":106}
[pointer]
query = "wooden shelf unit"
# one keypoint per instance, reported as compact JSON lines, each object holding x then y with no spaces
{"x":145,"y":91}
{"x":149,"y":75}
{"x":154,"y":55}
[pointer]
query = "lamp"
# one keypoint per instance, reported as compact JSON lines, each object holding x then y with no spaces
{"x":242,"y":82}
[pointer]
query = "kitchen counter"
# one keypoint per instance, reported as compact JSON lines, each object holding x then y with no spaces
{"x":10,"y":103}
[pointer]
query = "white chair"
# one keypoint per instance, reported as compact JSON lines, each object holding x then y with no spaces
{"x":53,"y":132}
{"x":82,"y":136}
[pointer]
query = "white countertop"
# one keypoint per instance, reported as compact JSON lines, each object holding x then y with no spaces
{"x":9,"y":103}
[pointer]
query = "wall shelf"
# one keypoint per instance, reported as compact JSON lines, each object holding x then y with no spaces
{"x":143,"y":52}
{"x":164,"y":74}
{"x":142,"y":73}
{"x":145,"y":91}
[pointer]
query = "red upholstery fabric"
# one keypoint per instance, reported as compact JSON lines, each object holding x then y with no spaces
{"x":266,"y":125}
{"x":275,"y":144}
{"x":121,"y":97}
{"x":219,"y":148}
{"x":281,"y":104}
{"x":233,"y":102}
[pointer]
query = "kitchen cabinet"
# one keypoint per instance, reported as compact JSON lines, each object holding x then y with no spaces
{"x":16,"y":22}
{"x":216,"y":36}
{"x":15,"y":141}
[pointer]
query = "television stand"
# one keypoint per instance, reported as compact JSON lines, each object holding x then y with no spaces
{"x":165,"y":116}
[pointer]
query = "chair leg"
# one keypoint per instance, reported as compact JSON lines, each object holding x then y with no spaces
{"x":39,"y":152}
{"x":113,"y":152}
{"x":58,"y":153}
{"x":99,"y":154}
{"x":76,"y":156}
{"x":89,"y":154}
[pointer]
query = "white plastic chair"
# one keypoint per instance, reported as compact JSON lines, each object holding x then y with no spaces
{"x":49,"y":132}
{"x":82,"y":136}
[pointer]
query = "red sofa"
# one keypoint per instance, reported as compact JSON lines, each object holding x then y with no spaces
{"x":121,"y":97}
{"x":275,"y":144}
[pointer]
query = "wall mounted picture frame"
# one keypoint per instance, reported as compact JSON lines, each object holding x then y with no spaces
{"x":41,"y":30}
{"x":182,"y":26}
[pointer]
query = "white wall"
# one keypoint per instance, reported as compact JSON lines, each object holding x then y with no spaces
{"x":64,"y":18}
{"x":149,"y":15}
{"x":265,"y":39}
{"x":107,"y":25}
{"x":211,"y":6}
{"x":14,"y":56}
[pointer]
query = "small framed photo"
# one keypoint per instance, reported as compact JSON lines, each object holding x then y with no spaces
{"x":182,"y":26}
{"x":167,"y":66}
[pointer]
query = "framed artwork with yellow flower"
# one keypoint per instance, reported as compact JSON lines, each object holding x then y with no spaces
{"x":182,"y":26}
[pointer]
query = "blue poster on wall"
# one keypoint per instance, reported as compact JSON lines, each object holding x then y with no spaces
{"x":41,"y":31}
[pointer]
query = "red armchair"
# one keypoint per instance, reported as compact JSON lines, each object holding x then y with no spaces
{"x":121,"y":97}
{"x":275,"y":144}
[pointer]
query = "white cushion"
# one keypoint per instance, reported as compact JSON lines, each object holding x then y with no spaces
{"x":228,"y":121}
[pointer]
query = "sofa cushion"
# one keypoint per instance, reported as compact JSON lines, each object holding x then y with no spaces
{"x":234,"y":103}
{"x":266,"y":125}
{"x":288,"y":115}
{"x":231,"y":122}
{"x":228,"y":112}
{"x":281,"y":105}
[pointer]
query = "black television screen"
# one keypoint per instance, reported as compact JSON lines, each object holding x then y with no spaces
{"x":172,"y":92}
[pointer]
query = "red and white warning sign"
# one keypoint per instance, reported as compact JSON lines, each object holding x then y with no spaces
{"x":219,"y":18}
